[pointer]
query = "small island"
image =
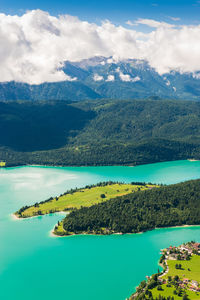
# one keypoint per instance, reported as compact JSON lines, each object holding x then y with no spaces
{"x":180,"y":278}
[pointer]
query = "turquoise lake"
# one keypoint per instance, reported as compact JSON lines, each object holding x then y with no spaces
{"x":34,"y":265}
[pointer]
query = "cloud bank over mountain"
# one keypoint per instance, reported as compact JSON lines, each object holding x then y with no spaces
{"x":35,"y":46}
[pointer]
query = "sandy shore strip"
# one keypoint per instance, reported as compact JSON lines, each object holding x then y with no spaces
{"x":191,"y":159}
{"x":178,"y":226}
{"x":52,"y":234}
{"x":14,"y":217}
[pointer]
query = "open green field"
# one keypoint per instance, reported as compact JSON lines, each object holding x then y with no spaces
{"x":59,"y":230}
{"x":169,"y":291}
{"x":2,"y":163}
{"x":82,"y":197}
{"x":193,"y":264}
{"x":190,"y":269}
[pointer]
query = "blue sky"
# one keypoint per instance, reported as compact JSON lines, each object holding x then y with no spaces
{"x":118,"y":11}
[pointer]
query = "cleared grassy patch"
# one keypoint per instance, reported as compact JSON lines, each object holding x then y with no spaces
{"x":82,"y":197}
{"x":193,"y":265}
{"x":2,"y":163}
{"x":59,"y":230}
{"x":169,"y":291}
{"x":190,"y":269}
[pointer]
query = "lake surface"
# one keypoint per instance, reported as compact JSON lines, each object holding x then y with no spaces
{"x":34,"y":265}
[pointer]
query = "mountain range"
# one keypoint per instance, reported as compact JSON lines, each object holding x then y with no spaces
{"x":101,"y":77}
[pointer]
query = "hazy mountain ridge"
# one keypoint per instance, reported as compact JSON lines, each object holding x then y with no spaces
{"x":101,"y":77}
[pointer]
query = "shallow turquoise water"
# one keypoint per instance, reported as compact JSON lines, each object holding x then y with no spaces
{"x":34,"y":265}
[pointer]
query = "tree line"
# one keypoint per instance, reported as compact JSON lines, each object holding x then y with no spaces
{"x":171,"y":205}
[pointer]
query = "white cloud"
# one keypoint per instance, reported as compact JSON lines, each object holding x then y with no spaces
{"x":153,"y":23}
{"x":97,"y":77}
{"x":124,"y":77}
{"x":135,"y":79}
{"x":111,"y":60}
{"x":34,"y":46}
{"x":174,"y":89}
{"x":127,"y":77}
{"x":110,"y":78}
{"x":175,"y":19}
{"x":130,"y":23}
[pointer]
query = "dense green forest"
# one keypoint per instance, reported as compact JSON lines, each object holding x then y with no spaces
{"x":63,"y":90}
{"x":172,"y":205}
{"x":101,"y":132}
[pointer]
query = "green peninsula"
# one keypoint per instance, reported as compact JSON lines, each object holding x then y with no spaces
{"x":109,"y":207}
{"x":78,"y":198}
{"x":165,"y":206}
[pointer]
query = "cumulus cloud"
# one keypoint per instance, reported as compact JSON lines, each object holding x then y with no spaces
{"x":97,"y":77}
{"x":135,"y":79}
{"x":150,"y":23}
{"x":130,"y":23}
{"x":127,"y":77}
{"x":124,"y":77}
{"x":175,"y":18}
{"x":110,"y":78}
{"x":35,"y":46}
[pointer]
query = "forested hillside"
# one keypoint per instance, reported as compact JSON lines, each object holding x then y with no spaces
{"x":172,"y":205}
{"x":29,"y":126}
{"x":101,"y":132}
{"x":64,"y":90}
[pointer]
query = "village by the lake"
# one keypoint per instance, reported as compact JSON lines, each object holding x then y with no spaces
{"x":180,"y":277}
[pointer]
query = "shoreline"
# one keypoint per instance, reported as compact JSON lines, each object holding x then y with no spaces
{"x":108,"y":165}
{"x":128,"y":233}
{"x":52,"y":234}
{"x":193,"y":159}
{"x":16,"y":218}
{"x":178,"y":226}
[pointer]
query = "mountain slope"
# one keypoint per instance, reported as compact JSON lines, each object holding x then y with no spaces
{"x":101,"y":77}
{"x":99,"y":132}
{"x":66,"y":90}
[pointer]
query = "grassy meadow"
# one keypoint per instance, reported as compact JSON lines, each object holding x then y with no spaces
{"x":82,"y":197}
{"x":169,"y":292}
{"x":193,"y":265}
{"x":190,"y":269}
